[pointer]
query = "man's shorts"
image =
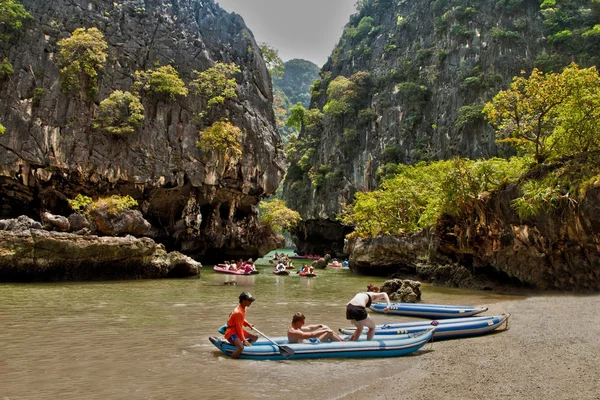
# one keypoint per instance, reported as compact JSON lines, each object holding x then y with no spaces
{"x":231,"y":339}
{"x":356,"y":313}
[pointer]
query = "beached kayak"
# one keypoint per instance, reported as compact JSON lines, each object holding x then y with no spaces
{"x":227,"y":271}
{"x":435,"y":311}
{"x":400,"y":346}
{"x":451,"y":328}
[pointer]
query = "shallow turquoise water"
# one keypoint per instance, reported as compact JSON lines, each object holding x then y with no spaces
{"x":148,"y":339}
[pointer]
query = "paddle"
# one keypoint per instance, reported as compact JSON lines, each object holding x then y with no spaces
{"x":283,"y":350}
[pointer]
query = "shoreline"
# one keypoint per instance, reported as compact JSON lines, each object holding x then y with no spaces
{"x":550,"y":351}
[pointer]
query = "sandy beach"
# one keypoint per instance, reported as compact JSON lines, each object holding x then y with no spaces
{"x":551,"y":351}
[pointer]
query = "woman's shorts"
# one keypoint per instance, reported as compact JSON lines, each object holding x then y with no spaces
{"x":356,"y":313}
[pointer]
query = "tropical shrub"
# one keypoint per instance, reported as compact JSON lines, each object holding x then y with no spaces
{"x":12,"y":15}
{"x":416,"y":196}
{"x":6,"y":69}
{"x":120,"y":114}
{"x":275,"y":214}
{"x":80,"y":58}
{"x":221,"y":136}
{"x":2,"y":129}
{"x":163,"y":80}
{"x":216,"y":83}
{"x":114,"y":204}
{"x":341,"y":93}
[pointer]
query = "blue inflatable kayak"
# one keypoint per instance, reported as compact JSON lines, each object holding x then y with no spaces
{"x":435,"y":311}
{"x":445,"y":329}
{"x":384,"y":347}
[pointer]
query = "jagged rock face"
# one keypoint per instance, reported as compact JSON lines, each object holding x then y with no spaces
{"x":50,"y":152}
{"x":559,"y":250}
{"x":444,"y":59}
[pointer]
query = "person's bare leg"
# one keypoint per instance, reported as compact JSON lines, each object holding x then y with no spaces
{"x":240,"y":347}
{"x":371,"y":325}
{"x":251,"y":337}
{"x":357,"y":332}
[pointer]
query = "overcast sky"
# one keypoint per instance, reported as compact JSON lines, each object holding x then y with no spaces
{"x":307,"y":29}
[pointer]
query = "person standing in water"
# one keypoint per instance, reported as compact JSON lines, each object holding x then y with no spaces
{"x":356,"y":311}
{"x":235,"y":333}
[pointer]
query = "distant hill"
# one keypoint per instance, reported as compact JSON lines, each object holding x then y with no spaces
{"x":291,"y":88}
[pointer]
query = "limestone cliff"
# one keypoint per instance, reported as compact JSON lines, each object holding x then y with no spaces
{"x":407,"y":83}
{"x":199,"y":202}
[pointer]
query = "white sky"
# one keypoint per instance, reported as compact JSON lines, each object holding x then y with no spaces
{"x":307,"y":29}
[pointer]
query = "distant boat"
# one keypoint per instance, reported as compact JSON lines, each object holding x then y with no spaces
{"x":451,"y":328}
{"x":282,"y":272}
{"x":393,"y":347}
{"x":435,"y":311}
{"x":222,"y":270}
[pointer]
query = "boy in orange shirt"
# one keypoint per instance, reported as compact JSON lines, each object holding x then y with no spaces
{"x":235,"y":332}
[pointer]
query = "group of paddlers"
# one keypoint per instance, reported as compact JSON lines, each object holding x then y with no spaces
{"x":356,"y":313}
{"x":241,"y":265}
{"x":284,"y":263}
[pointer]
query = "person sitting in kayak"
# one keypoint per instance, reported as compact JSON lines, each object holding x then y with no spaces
{"x":235,"y":333}
{"x":280,"y":267}
{"x":356,"y":311}
{"x":298,"y":333}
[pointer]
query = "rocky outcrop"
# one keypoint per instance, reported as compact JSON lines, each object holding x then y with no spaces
{"x":404,"y":291}
{"x":39,"y":255}
{"x":199,"y":202}
{"x":557,"y":250}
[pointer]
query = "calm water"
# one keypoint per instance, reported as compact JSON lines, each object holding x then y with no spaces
{"x":148,"y":339}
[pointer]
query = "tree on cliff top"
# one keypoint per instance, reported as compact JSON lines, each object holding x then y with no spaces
{"x":272,"y":59}
{"x":549,"y":115}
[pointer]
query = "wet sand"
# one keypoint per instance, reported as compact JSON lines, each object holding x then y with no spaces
{"x":551,"y":351}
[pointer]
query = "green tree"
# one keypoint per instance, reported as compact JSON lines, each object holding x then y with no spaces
{"x":272,"y":59}
{"x":163,"y":80}
{"x":296,"y":118}
{"x":221,"y":136}
{"x":12,"y":15}
{"x":120,"y":114}
{"x":216,"y":83}
{"x":341,"y":94}
{"x":80,"y":58}
{"x":548,"y":114}
{"x":275,"y":214}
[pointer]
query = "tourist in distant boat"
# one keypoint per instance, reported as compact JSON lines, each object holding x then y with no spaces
{"x":280,"y":267}
{"x":298,"y":333}
{"x":235,"y":333}
{"x":345,"y":264}
{"x":276,"y":256}
{"x":356,"y":311}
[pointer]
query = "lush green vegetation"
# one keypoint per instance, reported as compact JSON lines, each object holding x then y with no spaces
{"x":80,"y":58}
{"x":221,"y":136}
{"x":418,"y":195}
{"x":12,"y":15}
{"x":276,"y":215}
{"x":549,"y":115}
{"x":161,"y":81}
{"x":216,"y":84}
{"x":113,"y":205}
{"x":6,"y":69}
{"x":120,"y":114}
{"x":2,"y":129}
